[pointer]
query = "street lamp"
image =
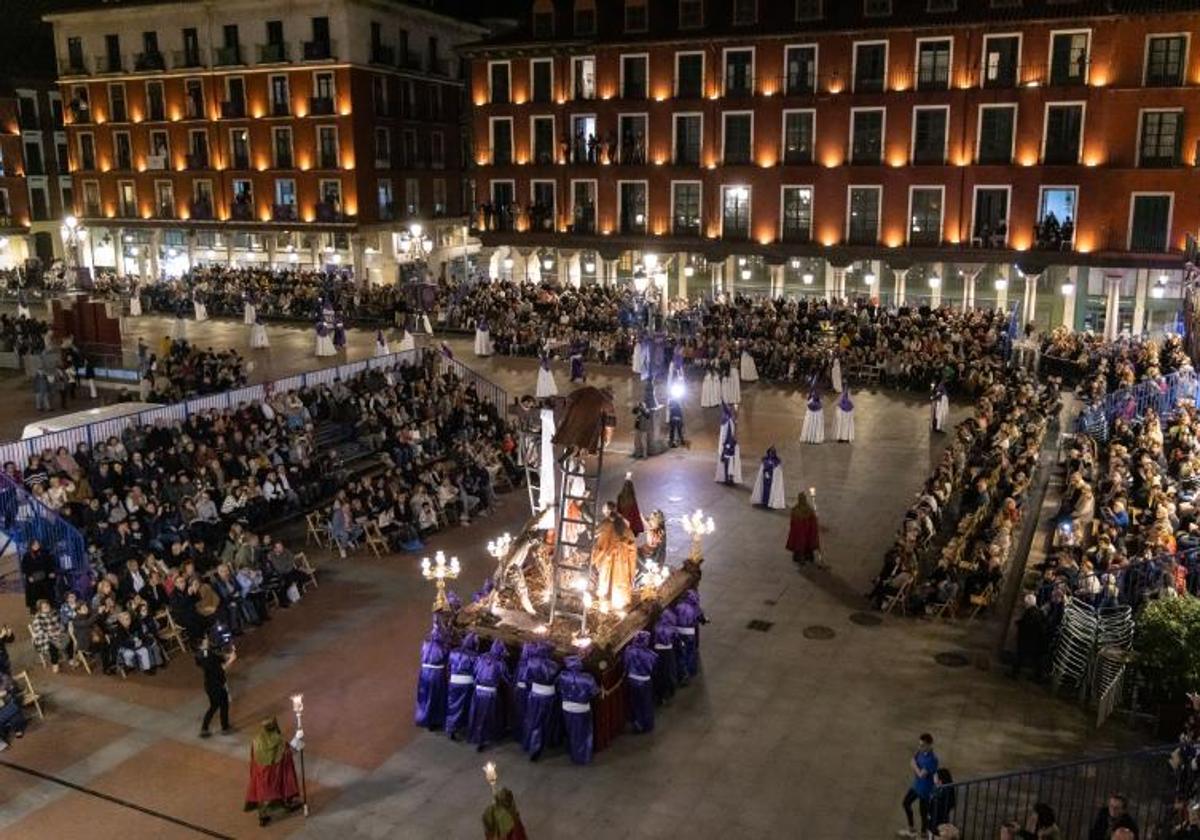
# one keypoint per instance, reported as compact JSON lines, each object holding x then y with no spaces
{"x":415,"y":244}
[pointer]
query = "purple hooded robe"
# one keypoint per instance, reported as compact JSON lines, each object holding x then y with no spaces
{"x":666,"y":674}
{"x":542,"y":717}
{"x":462,"y":684}
{"x":486,"y":724}
{"x":431,"y":683}
{"x":689,"y":617}
{"x":577,"y":688}
{"x":639,"y":673}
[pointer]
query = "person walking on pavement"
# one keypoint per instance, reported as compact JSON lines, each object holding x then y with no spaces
{"x":924,"y":764}
{"x":215,"y":664}
{"x":41,"y":390}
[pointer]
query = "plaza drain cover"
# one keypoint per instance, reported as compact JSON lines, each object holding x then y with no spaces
{"x":866,"y":619}
{"x":770,"y":603}
{"x":819,"y":632}
{"x":760,"y":625}
{"x":951,"y":660}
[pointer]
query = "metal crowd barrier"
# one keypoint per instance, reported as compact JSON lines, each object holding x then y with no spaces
{"x":19,"y":452}
{"x":1162,"y":395}
{"x":1076,"y":791}
{"x":24,"y":519}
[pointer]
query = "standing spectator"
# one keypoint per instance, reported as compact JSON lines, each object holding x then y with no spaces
{"x":41,"y":390}
{"x":1114,"y":815}
{"x":215,"y":664}
{"x":1031,"y":639}
{"x":1041,"y":824}
{"x":924,"y":766}
{"x":37,"y":567}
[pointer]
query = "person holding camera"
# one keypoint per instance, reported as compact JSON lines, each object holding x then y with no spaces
{"x":641,"y":431}
{"x":215,"y":664}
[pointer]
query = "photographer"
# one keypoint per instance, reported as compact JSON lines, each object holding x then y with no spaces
{"x":215,"y":664}
{"x":641,"y":431}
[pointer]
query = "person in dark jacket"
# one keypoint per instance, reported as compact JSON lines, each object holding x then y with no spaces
{"x":1114,"y":815}
{"x":1032,"y":639}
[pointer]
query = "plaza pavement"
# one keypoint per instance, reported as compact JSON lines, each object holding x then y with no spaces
{"x":782,"y":736}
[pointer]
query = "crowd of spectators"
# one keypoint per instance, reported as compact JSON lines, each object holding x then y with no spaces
{"x":277,"y":294}
{"x":178,"y":517}
{"x":180,"y":370}
{"x":1103,"y":367}
{"x":967,"y":513}
{"x":22,"y":335}
{"x":790,"y":340}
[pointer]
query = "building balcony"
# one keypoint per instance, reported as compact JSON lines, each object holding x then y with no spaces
{"x":281,"y":109}
{"x":240,"y":162}
{"x":318,"y":50}
{"x":284,"y":161}
{"x":440,"y":66}
{"x":197,"y":160}
{"x":284,"y":213}
{"x":233,"y":110}
{"x":108,"y":64}
{"x":156,"y":163}
{"x":147,"y":61}
{"x":241,"y":211}
{"x":201,"y":211}
{"x":320,"y":106}
{"x":227,"y":56}
{"x":411,"y":60}
{"x":91,"y":211}
{"x":387,"y":212}
{"x":127,"y":211}
{"x":72,"y":66}
{"x":186,"y":59}
{"x":383,"y":54}
{"x":329,"y":212}
{"x":272,"y":53}
{"x":328,"y":160}
{"x":165,"y":211}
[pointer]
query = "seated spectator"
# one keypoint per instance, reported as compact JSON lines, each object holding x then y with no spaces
{"x":12,"y":718}
{"x":49,"y":637}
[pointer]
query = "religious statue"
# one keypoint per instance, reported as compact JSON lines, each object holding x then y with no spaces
{"x":615,"y":558}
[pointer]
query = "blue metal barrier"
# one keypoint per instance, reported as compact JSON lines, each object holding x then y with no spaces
{"x":1162,"y":395}
{"x":1076,"y":791}
{"x":19,"y":452}
{"x":24,"y":519}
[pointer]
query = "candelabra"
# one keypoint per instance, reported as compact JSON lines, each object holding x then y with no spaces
{"x":498,"y":548}
{"x":298,"y":746}
{"x":697,"y":526}
{"x":440,"y":571}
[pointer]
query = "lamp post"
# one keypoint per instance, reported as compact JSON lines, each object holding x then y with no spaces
{"x":697,"y":526}
{"x":440,"y":571}
{"x":298,"y":746}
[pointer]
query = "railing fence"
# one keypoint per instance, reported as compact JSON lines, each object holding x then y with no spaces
{"x":1076,"y":791}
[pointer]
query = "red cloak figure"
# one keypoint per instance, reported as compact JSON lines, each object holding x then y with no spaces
{"x":627,"y":506}
{"x":501,"y":820}
{"x":272,"y":773}
{"x":803,"y":541}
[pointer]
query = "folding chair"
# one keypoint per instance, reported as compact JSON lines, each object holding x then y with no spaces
{"x":981,"y":601}
{"x":947,"y":609}
{"x":85,"y":659}
{"x":307,"y":569}
{"x":375,"y":539}
{"x":29,"y":697}
{"x":900,"y":597}
{"x":316,"y":532}
{"x":169,"y":632}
